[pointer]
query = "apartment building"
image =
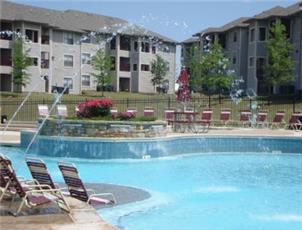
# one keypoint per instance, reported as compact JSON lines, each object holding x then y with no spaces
{"x":244,"y":43}
{"x":61,"y":44}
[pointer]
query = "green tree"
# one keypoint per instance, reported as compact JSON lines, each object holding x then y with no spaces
{"x":20,"y":62}
{"x":102,"y":63}
{"x":279,"y":69}
{"x":211,"y":71}
{"x":159,"y":69}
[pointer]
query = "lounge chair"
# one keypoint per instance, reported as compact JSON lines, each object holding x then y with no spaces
{"x":261,"y":119}
{"x":294,"y":121}
{"x":225,"y":116}
{"x":33,"y":195}
{"x":5,"y":188}
{"x":77,"y":189}
{"x":245,"y":117}
{"x":149,"y":112}
{"x":39,"y":172}
{"x":278,"y":120}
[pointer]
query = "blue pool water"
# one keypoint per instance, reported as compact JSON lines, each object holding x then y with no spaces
{"x":222,"y":191}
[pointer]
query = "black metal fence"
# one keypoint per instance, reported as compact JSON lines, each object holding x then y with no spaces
{"x":289,"y":104}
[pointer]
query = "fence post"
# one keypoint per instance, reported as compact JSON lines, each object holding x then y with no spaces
{"x":294,"y":103}
{"x":250,"y":103}
{"x":169,"y":102}
{"x":209,"y":101}
{"x":127,"y":103}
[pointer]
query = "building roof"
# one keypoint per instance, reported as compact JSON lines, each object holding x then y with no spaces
{"x":191,"y":40}
{"x":278,"y":11}
{"x":73,"y":20}
{"x":240,"y":22}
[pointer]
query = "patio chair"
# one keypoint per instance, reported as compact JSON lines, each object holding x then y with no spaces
{"x":294,"y":121}
{"x":78,"y":190}
{"x":278,"y":120}
{"x":225,"y":116}
{"x":149,"y":112}
{"x":43,"y":110}
{"x":206,"y":117}
{"x":62,"y":111}
{"x":245,"y":117}
{"x":39,"y":172}
{"x":132,"y":110}
{"x":34,"y":195}
{"x":169,"y":115}
{"x":114,"y":111}
{"x":261,"y":119}
{"x":189,"y":115}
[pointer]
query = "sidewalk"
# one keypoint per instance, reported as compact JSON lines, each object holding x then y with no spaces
{"x":11,"y":138}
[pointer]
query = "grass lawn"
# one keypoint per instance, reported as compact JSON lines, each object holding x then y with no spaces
{"x":122,"y":100}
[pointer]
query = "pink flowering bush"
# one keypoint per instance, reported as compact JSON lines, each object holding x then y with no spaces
{"x":94,"y":108}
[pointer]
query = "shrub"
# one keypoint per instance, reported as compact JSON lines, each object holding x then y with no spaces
{"x":124,"y":116}
{"x":94,"y":108}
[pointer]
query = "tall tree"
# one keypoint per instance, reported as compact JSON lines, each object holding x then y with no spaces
{"x":279,"y":69}
{"x":159,"y":70}
{"x":20,"y":62}
{"x":102,"y":63}
{"x":212,"y":70}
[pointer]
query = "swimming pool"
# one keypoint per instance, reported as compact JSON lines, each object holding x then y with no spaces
{"x":198,"y":191}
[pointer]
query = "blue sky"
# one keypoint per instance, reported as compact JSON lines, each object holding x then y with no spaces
{"x":175,"y":19}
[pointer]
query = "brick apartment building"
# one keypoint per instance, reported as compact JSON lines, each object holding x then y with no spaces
{"x":61,"y":44}
{"x":244,"y":43}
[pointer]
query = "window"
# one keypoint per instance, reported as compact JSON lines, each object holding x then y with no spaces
{"x":32,"y":35}
{"x":85,"y":80}
{"x":235,"y":37}
{"x":112,"y":64}
{"x":6,"y":57}
{"x":252,"y":35}
{"x":86,"y":59}
{"x":125,"y":43}
{"x":6,"y":28}
{"x":222,"y":40}
{"x":124,"y":64}
{"x":44,"y":60}
{"x":113,"y":43}
{"x":145,"y":67}
{"x":262,"y":34}
{"x":68,"y":82}
{"x":45,"y":36}
{"x":234,"y":60}
{"x":68,"y":60}
{"x":68,"y":38}
{"x":154,"y":49}
{"x":251,"y":61}
{"x":260,"y":68}
{"x":135,"y":46}
{"x":286,"y":22}
{"x":34,"y":61}
{"x":134,"y":67}
{"x":145,"y":47}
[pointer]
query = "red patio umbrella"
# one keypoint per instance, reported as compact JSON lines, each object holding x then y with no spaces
{"x":183,"y":94}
